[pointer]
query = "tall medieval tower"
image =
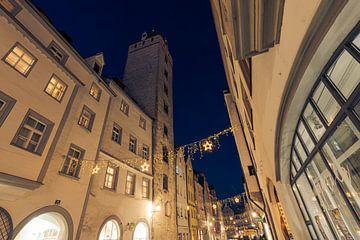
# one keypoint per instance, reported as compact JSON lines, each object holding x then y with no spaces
{"x":148,"y":78}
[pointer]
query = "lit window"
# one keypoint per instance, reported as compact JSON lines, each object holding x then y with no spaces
{"x":141,"y":232}
{"x":95,"y":91}
{"x":20,"y":59}
{"x":132,"y":144}
{"x":56,"y":51}
{"x":130,"y":184}
{"x":145,"y":188}
{"x":86,"y":118}
{"x":124,"y":107}
{"x":116,"y":133}
{"x":145,"y":152}
{"x":56,"y":88}
{"x":142,"y":123}
{"x":110,"y":177}
{"x":110,"y":231}
{"x":33,"y":133}
{"x":10,"y":6}
{"x":72,"y":162}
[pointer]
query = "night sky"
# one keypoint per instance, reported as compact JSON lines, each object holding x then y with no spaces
{"x":199,"y":107}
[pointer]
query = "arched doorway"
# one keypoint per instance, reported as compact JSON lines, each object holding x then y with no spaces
{"x":110,"y":230}
{"x":141,"y":232}
{"x":46,"y":226}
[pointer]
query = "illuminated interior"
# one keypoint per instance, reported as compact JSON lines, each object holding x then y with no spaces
{"x":141,"y":232}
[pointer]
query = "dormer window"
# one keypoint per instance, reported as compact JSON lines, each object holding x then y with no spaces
{"x":97,"y":68}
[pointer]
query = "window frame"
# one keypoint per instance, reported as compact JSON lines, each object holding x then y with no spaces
{"x":133,"y":187}
{"x":135,"y":144}
{"x":82,"y":154}
{"x":115,"y":125}
{"x":91,"y":120}
{"x":5,"y":110}
{"x":115,"y":177}
{"x":59,"y":80}
{"x":147,"y":155}
{"x":99,"y":93}
{"x":26,"y":51}
{"x":17,"y":8}
{"x":144,"y":179}
{"x":126,"y":110}
{"x":165,"y":184}
{"x":144,"y":121}
{"x":44,"y":137}
{"x":56,"y":46}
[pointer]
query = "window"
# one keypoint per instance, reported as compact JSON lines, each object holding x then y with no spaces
{"x":111,"y":177}
{"x":325,"y":155}
{"x":141,"y":232}
{"x":165,"y":130}
{"x":165,"y":183}
{"x":166,"y":90}
{"x":167,"y":209}
{"x":145,"y":152}
{"x":86,"y":119}
{"x":165,"y":154}
{"x":6,"y":224}
{"x":6,"y":104}
{"x":166,"y":74}
{"x":33,"y":132}
{"x":56,"y":88}
{"x":132,"y":144}
{"x":166,"y":108}
{"x":95,"y":91}
{"x":142,"y":123}
{"x":97,"y":68}
{"x":130,"y":184}
{"x":11,"y":6}
{"x":20,"y":59}
{"x":57,"y":52}
{"x":110,"y":230}
{"x":116,"y":133}
{"x":252,"y":171}
{"x":72,"y":162}
{"x":124,"y":107}
{"x":145,"y":188}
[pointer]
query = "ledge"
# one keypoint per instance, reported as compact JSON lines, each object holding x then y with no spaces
{"x":19,"y":181}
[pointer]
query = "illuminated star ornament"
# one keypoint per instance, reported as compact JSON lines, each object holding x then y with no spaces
{"x":95,"y":170}
{"x":145,"y":167}
{"x":208,"y":146}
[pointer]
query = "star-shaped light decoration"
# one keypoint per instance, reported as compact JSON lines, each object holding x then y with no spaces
{"x":95,"y":170}
{"x":145,"y":167}
{"x":208,"y":146}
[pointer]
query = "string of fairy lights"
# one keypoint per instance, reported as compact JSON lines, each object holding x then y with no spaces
{"x":205,"y":145}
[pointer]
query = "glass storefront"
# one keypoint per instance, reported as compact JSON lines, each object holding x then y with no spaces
{"x":325,"y":159}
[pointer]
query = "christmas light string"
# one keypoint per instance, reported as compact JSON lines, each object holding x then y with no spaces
{"x":208,"y":144}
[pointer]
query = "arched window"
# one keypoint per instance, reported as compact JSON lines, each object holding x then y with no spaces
{"x":168,"y":209}
{"x":165,"y":183}
{"x":6,"y":226}
{"x":49,"y":226}
{"x":110,"y":231}
{"x":326,"y":148}
{"x":141,"y":232}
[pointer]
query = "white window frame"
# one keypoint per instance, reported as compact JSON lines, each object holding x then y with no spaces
{"x":145,"y":192}
{"x":130,"y":189}
{"x":132,"y":144}
{"x":56,"y":87}
{"x":145,"y":153}
{"x":20,"y":59}
{"x":111,"y":178}
{"x":116,"y":136}
{"x":142,"y":123}
{"x":57,"y":52}
{"x":124,"y":107}
{"x":73,"y":163}
{"x":86,"y":121}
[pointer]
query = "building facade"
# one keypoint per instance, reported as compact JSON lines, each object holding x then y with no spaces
{"x":292,"y":70}
{"x":148,"y":78}
{"x":183,"y":230}
{"x":77,"y":153}
{"x":191,"y":210}
{"x":200,"y":207}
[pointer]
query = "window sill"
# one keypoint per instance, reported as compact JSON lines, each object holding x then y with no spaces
{"x":36,"y":153}
{"x":108,"y":189}
{"x":69,"y":176}
{"x":130,"y":195}
{"x":86,"y":129}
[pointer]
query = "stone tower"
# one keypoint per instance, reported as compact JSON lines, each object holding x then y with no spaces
{"x":148,"y":78}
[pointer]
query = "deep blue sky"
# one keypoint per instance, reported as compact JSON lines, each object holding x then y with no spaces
{"x":199,"y":109}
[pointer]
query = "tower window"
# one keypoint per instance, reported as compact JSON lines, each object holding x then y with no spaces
{"x":166,"y":108}
{"x":165,"y":154}
{"x":166,"y":90}
{"x":165,"y":130}
{"x":166,"y":74}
